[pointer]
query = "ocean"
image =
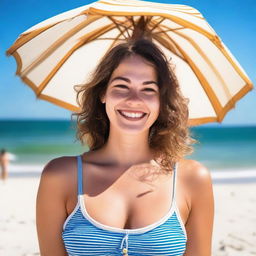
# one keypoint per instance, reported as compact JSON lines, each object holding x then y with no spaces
{"x":35,"y":142}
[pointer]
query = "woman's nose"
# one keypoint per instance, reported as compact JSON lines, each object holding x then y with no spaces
{"x":133,"y":98}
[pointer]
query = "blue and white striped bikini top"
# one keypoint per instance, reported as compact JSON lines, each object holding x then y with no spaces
{"x":82,"y":235}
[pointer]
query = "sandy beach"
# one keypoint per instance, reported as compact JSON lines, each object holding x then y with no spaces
{"x":235,"y":219}
{"x":234,"y":226}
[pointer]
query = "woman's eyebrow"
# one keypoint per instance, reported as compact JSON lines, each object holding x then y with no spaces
{"x":129,"y":81}
{"x":120,"y":78}
{"x":150,"y":82}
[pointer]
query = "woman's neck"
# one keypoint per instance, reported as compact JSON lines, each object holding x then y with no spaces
{"x":127,"y":149}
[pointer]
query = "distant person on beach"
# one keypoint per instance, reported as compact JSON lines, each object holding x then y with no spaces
{"x":133,"y":192}
{"x":4,"y":163}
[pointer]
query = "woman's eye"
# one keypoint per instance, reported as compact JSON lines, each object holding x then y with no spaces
{"x":149,"y":90}
{"x":120,"y":86}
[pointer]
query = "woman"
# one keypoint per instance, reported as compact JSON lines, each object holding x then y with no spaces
{"x":133,"y":193}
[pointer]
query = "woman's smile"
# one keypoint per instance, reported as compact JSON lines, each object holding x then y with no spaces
{"x":132,"y":115}
{"x":132,"y":96}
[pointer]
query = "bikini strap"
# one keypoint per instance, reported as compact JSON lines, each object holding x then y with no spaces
{"x":80,"y":175}
{"x":174,"y":180}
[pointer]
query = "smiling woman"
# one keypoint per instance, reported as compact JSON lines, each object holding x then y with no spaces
{"x":133,"y":193}
{"x":132,"y":68}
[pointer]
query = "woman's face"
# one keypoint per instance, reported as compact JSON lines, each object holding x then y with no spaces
{"x":132,"y":96}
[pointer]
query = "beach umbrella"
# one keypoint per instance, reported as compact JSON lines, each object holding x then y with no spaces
{"x":61,"y":52}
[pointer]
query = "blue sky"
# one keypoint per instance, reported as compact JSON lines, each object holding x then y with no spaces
{"x":234,"y":22}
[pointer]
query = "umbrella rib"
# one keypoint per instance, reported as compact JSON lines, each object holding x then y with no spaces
{"x":60,"y":103}
{"x":132,"y":20}
{"x":149,"y":18}
{"x":127,"y":27}
{"x":56,"y":101}
{"x":168,"y":46}
{"x":117,"y":26}
{"x":118,"y":37}
{"x":121,"y":24}
{"x":87,"y":38}
{"x":57,"y":43}
{"x":199,"y":50}
{"x":19,"y":62}
{"x":155,"y":25}
{"x":111,"y":27}
{"x":203,"y":55}
{"x":217,"y":42}
{"x":25,"y":37}
{"x":171,"y":17}
{"x":168,"y":30}
{"x":238,"y":70}
{"x":110,"y":38}
{"x":214,"y":100}
{"x":96,"y":33}
{"x":115,"y":40}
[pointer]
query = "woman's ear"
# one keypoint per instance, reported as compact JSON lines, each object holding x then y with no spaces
{"x":103,"y":99}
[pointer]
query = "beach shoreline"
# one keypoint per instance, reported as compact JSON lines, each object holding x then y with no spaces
{"x":235,"y":213}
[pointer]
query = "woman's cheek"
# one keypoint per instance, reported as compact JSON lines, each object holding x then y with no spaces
{"x":152,"y":99}
{"x":118,"y":94}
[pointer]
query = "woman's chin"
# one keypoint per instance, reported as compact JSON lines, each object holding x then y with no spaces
{"x":131,"y":129}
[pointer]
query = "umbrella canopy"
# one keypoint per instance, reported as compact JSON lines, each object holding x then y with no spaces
{"x":61,"y":52}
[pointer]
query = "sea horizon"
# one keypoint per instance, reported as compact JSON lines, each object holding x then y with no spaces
{"x":34,"y":142}
{"x":215,"y":124}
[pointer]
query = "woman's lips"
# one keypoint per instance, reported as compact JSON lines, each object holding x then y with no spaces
{"x":132,"y":115}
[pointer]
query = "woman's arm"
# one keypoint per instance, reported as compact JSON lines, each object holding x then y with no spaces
{"x":50,"y":210}
{"x":199,"y":225}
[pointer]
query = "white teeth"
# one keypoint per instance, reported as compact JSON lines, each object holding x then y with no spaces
{"x":132,"y":115}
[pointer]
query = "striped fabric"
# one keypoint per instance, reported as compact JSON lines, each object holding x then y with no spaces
{"x":82,"y":235}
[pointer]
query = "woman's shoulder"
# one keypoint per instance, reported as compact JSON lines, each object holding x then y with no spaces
{"x":195,"y":181}
{"x":60,"y":165}
{"x":60,"y":171}
{"x":194,"y":174}
{"x":193,"y":167}
{"x":57,"y":185}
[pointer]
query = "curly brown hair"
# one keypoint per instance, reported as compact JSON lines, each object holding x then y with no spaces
{"x":169,"y":136}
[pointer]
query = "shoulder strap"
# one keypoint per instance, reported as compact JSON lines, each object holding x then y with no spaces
{"x":80,"y":175}
{"x":174,"y":181}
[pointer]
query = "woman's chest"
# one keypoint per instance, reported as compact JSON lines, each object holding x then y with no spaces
{"x":128,"y":202}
